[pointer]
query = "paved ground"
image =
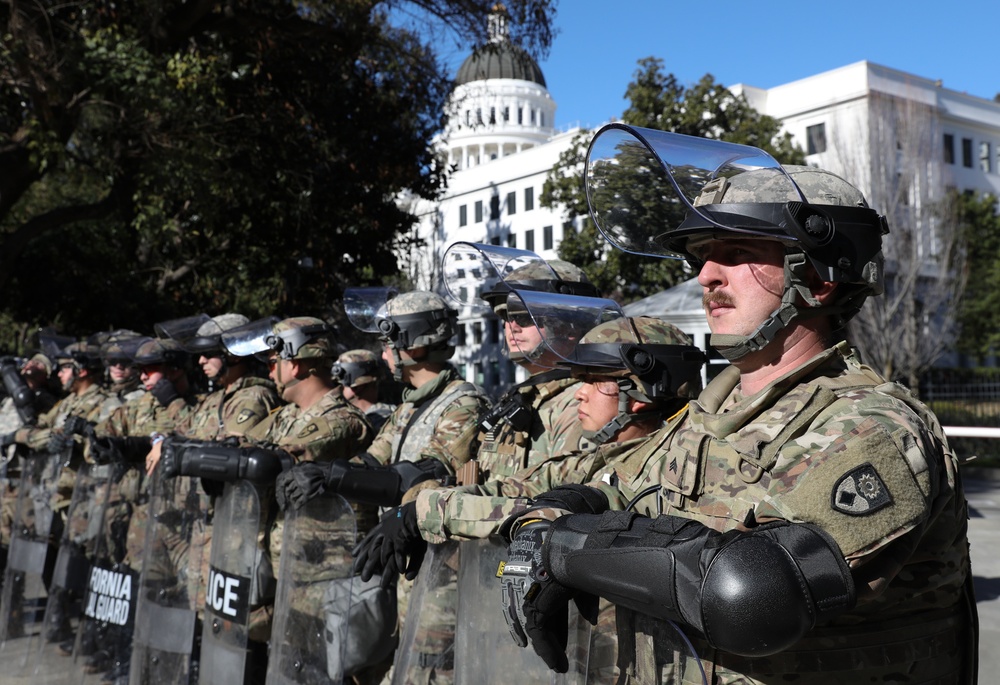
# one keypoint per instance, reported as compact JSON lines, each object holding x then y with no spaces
{"x":17,"y":665}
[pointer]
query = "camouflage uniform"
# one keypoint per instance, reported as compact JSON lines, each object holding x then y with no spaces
{"x":356,"y":369}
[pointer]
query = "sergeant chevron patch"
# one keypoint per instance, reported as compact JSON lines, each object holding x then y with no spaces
{"x":860,"y":491}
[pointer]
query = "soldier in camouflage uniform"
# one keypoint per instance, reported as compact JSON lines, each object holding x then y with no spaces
{"x":805,"y":520}
{"x":428,"y":436}
{"x":619,"y":408}
{"x":124,"y":438}
{"x":316,"y":426}
{"x":358,"y":372}
{"x":122,"y":375}
{"x":241,"y":401}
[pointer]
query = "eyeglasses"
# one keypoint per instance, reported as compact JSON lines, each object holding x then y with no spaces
{"x":272,"y":362}
{"x":118,"y":362}
{"x":520,"y":319}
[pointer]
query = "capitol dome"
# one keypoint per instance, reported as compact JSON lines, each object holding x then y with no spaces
{"x":501,"y":59}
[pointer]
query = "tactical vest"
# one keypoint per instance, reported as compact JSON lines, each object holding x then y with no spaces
{"x":504,"y":451}
{"x":420,"y":428}
{"x":718,"y":471}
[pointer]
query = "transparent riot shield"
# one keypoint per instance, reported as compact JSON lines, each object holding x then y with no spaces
{"x":171,"y":583}
{"x":427,"y":644}
{"x":484,"y":650}
{"x":107,"y":617}
{"x":310,"y":637}
{"x":233,"y":586}
{"x":77,"y":548}
{"x":29,"y":559}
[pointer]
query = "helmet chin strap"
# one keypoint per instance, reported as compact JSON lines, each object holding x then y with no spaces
{"x":609,"y":430}
{"x":735,"y":347}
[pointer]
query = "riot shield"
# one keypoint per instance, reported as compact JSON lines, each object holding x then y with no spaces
{"x":310,"y":637}
{"x":107,"y":619}
{"x":484,"y":650}
{"x":77,"y":549}
{"x":233,"y":585}
{"x":29,"y":561}
{"x":170,"y":586}
{"x":427,"y":643}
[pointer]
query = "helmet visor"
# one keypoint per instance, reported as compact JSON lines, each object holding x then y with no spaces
{"x":546,"y":327}
{"x":181,"y":330}
{"x":362,"y":306}
{"x":474,"y":271}
{"x":249,"y":339}
{"x":643,"y":184}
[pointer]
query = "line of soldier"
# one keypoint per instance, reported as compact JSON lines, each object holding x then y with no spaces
{"x":802,"y":518}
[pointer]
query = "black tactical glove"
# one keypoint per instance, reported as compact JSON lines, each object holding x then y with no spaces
{"x":105,"y":451}
{"x":572,"y":497}
{"x":536,"y":607}
{"x":393,"y":547}
{"x":302,"y":482}
{"x":59,"y":442}
{"x":77,"y":425}
{"x":171,"y":453}
{"x":164,"y":392}
{"x":6,"y":439}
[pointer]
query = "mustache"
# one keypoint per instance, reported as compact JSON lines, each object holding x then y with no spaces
{"x":716,"y":297}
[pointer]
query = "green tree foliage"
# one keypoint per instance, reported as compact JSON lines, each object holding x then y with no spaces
{"x":163,"y":158}
{"x":706,"y":109}
{"x":979,"y":313}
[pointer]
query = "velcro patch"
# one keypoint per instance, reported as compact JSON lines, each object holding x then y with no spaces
{"x":308,"y":430}
{"x":860,"y":492}
{"x":245,"y":415}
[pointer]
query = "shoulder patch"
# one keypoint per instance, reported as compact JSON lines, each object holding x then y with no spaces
{"x":245,"y":415}
{"x":860,"y":491}
{"x":308,"y":430}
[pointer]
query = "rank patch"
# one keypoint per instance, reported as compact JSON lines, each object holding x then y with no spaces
{"x":860,"y":491}
{"x":245,"y":416}
{"x":308,"y":430}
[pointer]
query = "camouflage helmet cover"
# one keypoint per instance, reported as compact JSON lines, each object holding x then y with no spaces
{"x":656,"y":355}
{"x":82,"y":355}
{"x":207,"y":340}
{"x":417,"y":319}
{"x":302,"y":337}
{"x":537,"y":275}
{"x":160,"y":351}
{"x":355,"y":368}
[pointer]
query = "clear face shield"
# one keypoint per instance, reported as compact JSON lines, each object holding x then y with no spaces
{"x":53,"y":345}
{"x":475,"y":274}
{"x":544,"y":328}
{"x":364,"y":305}
{"x":250,"y":339}
{"x":181,"y":330}
{"x":646,"y":186}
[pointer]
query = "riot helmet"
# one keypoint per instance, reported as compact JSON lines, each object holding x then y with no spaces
{"x":654,"y":193}
{"x":418,"y":319}
{"x":207,"y":339}
{"x":302,"y":337}
{"x":649,"y":360}
{"x":355,"y":368}
{"x":154,"y":351}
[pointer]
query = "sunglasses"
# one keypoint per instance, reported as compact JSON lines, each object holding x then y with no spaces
{"x":520,"y":319}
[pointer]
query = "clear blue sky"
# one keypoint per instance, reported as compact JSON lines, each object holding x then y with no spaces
{"x":762,"y":43}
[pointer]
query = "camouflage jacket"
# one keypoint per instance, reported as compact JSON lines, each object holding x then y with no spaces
{"x":231,"y":411}
{"x":476,"y":511}
{"x":830,"y":444}
{"x":145,"y":415}
{"x":93,"y":404}
{"x":554,"y":430}
{"x":447,"y":424}
{"x":330,"y":429}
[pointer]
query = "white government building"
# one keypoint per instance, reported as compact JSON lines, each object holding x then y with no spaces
{"x":501,"y":143}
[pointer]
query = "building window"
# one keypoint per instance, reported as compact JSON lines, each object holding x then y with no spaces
{"x":532,"y":117}
{"x":985,"y":159}
{"x":949,"y":148}
{"x":568,"y":228}
{"x":479,"y":116}
{"x":529,"y":240}
{"x":512,"y":202}
{"x":493,"y":115}
{"x":547,"y":238}
{"x":541,"y":118}
{"x":463,"y":215}
{"x":494,"y":208}
{"x":815,"y":139}
{"x":520,"y":115}
{"x":967,"y":153}
{"x":491,"y":331}
{"x":529,"y":199}
{"x":479,"y":211}
{"x":506,"y":114}
{"x":495,"y":240}
{"x":461,"y":335}
{"x":477,"y":333}
{"x":512,"y":240}
{"x":468,"y":117}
